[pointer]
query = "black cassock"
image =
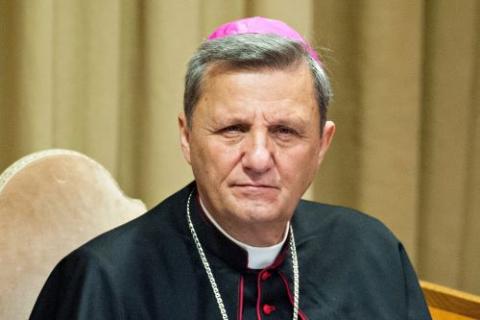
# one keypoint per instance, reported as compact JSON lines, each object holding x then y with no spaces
{"x":351,"y":267}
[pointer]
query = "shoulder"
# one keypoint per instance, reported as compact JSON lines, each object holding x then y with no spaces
{"x":344,"y":225}
{"x":105,"y":275}
{"x":352,"y":261}
{"x":345,"y":243}
{"x":141,"y":236}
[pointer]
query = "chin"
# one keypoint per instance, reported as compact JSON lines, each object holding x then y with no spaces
{"x":259,"y":212}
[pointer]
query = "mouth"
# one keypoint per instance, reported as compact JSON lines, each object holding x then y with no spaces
{"x":255,"y":186}
{"x":256,"y":190}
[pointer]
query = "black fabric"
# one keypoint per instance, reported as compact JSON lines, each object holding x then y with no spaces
{"x":351,"y":267}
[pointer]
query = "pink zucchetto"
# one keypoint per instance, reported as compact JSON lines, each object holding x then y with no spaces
{"x":262,"y":25}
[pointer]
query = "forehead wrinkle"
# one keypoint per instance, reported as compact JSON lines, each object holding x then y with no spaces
{"x":232,"y":107}
{"x":279,"y":117}
{"x":219,"y":117}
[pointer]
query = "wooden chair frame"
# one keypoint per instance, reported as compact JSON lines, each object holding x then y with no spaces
{"x":449,"y":304}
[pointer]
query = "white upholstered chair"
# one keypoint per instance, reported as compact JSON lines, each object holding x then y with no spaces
{"x":50,"y":203}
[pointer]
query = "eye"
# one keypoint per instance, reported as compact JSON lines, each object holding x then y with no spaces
{"x":285,"y":132}
{"x":233,"y":130}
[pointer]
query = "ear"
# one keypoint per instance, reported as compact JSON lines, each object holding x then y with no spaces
{"x":184,"y":136}
{"x":327,"y":137}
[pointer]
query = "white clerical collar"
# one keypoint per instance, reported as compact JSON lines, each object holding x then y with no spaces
{"x":258,"y":257}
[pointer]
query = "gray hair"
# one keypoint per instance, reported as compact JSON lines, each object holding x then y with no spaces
{"x":249,"y":52}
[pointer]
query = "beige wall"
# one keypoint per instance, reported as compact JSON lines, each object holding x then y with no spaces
{"x":105,"y":78}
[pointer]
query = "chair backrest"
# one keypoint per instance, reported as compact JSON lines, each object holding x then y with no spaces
{"x":50,"y":203}
{"x":449,"y":304}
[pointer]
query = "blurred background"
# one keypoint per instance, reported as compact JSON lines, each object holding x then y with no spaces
{"x":106,"y":78}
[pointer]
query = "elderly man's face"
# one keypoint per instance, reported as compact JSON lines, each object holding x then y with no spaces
{"x":254,"y":147}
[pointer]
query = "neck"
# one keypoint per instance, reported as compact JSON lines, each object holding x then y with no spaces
{"x":259,"y":257}
{"x":256,"y":234}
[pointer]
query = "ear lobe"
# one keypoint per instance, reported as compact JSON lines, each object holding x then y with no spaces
{"x":327,"y":137}
{"x":184,"y":136}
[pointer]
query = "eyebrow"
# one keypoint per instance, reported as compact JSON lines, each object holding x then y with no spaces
{"x":292,"y":120}
{"x":228,"y":119}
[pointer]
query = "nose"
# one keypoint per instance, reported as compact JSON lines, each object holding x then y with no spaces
{"x":258,"y":154}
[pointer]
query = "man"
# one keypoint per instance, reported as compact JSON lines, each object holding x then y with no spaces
{"x":238,"y":243}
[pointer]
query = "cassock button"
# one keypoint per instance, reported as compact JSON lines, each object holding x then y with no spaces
{"x":268,"y":309}
{"x":265,"y":275}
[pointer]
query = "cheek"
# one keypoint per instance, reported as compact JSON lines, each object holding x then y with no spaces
{"x":299,"y":164}
{"x":215,"y":160}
